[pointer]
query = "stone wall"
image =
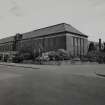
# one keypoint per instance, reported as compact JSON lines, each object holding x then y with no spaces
{"x":76,"y":45}
{"x":5,"y":47}
{"x":43,"y":44}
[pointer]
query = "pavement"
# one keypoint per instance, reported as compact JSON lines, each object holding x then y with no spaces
{"x":20,"y":65}
{"x":27,"y":84}
{"x":100,"y":73}
{"x":97,"y":72}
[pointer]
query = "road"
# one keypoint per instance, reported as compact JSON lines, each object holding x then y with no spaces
{"x":52,"y":85}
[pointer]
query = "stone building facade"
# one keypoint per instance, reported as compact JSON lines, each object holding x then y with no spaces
{"x":60,"y":36}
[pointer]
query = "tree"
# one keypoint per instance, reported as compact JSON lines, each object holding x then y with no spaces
{"x":91,"y":47}
{"x":104,"y":47}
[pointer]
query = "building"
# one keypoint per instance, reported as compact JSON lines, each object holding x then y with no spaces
{"x":60,"y":36}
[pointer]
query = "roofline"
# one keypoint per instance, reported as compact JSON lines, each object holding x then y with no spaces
{"x":81,"y":34}
{"x":77,"y":34}
{"x":48,"y":35}
{"x":51,"y":33}
{"x":43,"y":28}
{"x":55,"y":34}
{"x":57,"y":25}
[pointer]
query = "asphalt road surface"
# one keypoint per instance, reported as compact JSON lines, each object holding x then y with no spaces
{"x":52,"y":85}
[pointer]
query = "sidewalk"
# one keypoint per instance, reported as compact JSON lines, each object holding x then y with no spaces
{"x":20,"y":65}
{"x":32,"y":66}
{"x":97,"y":72}
{"x":100,"y":73}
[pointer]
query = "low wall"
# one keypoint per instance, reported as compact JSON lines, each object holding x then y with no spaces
{"x":65,"y":62}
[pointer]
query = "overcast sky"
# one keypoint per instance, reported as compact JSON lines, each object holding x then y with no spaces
{"x":19,"y":16}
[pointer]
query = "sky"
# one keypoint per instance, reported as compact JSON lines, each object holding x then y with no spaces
{"x":20,"y":16}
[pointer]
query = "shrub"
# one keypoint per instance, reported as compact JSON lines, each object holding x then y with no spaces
{"x":6,"y":58}
{"x":59,"y":54}
{"x":17,"y":59}
{"x":84,"y":59}
{"x":0,"y":57}
{"x":91,"y":47}
{"x":26,"y":56}
{"x":96,"y":56}
{"x":62,"y":54}
{"x":52,"y":55}
{"x":101,"y":57}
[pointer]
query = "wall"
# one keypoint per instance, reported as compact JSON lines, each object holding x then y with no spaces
{"x":43,"y":44}
{"x":8,"y":46}
{"x":76,"y":45}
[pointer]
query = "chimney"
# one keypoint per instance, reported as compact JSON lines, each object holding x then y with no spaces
{"x":100,"y":44}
